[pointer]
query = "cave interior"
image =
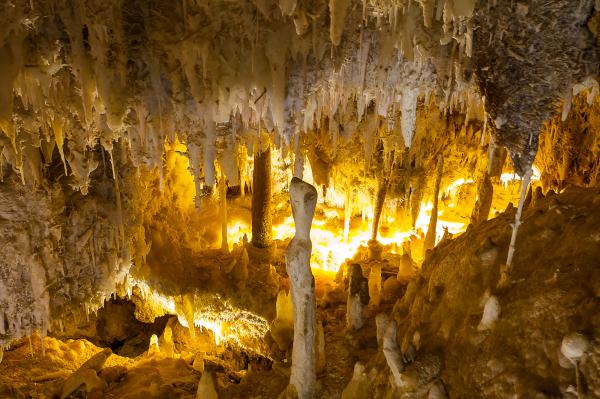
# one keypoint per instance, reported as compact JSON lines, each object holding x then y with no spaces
{"x":262,"y":199}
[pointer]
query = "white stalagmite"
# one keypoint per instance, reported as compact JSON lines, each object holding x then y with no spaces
{"x":491,"y":313}
{"x":206,"y":387}
{"x":303,"y":198}
{"x":573,"y":347}
{"x":223,"y":210}
{"x":391,"y":351}
{"x":513,"y":238}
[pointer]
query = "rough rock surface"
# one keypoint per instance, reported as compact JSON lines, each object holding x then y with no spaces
{"x":553,"y":292}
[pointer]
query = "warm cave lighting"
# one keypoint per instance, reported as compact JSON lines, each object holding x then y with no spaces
{"x":224,"y":322}
{"x":330,"y":249}
{"x":299,"y":199}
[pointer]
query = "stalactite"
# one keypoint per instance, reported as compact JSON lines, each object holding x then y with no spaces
{"x":261,"y":195}
{"x":337,"y":17}
{"x":416,"y":197}
{"x":195,"y":160}
{"x":118,"y":199}
{"x":409,"y":115}
{"x":432,"y":228}
{"x":209,"y":154}
{"x":303,"y":198}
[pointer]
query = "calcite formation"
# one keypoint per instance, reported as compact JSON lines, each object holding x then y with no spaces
{"x":195,"y":161}
{"x":303,"y":198}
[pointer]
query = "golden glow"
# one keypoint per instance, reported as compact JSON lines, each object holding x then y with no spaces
{"x":329,"y":250}
{"x":507,"y":178}
{"x":226,"y":323}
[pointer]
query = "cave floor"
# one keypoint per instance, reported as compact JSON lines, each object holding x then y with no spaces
{"x":30,"y":371}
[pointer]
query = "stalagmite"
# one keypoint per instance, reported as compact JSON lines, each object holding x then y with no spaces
{"x":223,"y":210}
{"x":381,"y":322}
{"x":261,"y":195}
{"x":391,"y":351}
{"x":358,"y":297}
{"x":375,"y":285}
{"x":513,"y":239}
{"x":206,"y":387}
{"x":379,"y":201}
{"x":485,"y":194}
{"x":153,"y":347}
{"x":86,"y":374}
{"x":358,"y":387}
{"x":491,"y":312}
{"x":167,"y":346}
{"x":303,"y":198}
{"x":485,"y":189}
{"x":431,"y":230}
{"x":282,"y":328}
{"x":407,"y":267}
{"x":347,"y":214}
{"x":384,"y":183}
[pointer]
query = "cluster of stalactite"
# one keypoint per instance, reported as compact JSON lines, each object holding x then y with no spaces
{"x":570,"y":150}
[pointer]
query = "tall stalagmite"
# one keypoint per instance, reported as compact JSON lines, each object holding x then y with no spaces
{"x":384,"y":183}
{"x":485,"y":193}
{"x":223,"y":210}
{"x":261,"y":196}
{"x":303,"y":197}
{"x":431,"y":230}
